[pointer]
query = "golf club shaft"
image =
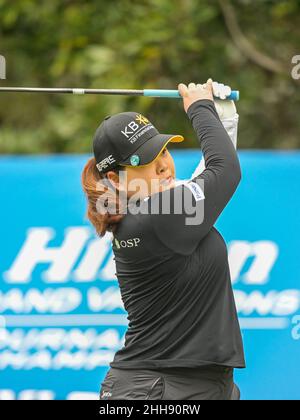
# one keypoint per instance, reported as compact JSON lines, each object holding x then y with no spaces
{"x":156,"y":93}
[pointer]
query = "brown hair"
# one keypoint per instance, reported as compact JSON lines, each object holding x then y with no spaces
{"x":104,"y":205}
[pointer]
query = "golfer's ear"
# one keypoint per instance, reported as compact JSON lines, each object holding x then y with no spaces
{"x":113,"y":177}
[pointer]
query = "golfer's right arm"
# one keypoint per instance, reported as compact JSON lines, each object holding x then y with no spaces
{"x":229,"y":117}
{"x":220,"y":178}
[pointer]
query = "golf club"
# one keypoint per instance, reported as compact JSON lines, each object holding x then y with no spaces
{"x":156,"y":93}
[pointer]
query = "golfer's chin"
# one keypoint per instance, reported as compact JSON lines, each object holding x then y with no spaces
{"x":167,"y":187}
{"x":156,"y":188}
{"x":166,"y":184}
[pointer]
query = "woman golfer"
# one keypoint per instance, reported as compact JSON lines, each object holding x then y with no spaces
{"x":183,"y":338}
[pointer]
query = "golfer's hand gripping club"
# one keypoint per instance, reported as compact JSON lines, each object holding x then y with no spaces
{"x":209,"y":90}
{"x":194,"y":92}
{"x":220,"y":91}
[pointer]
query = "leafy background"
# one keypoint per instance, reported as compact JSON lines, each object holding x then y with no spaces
{"x":146,"y":44}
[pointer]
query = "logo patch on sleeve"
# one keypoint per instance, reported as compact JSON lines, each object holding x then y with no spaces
{"x":196,"y":190}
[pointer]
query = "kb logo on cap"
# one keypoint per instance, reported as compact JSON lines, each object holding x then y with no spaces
{"x":133,"y":127}
{"x":141,"y":119}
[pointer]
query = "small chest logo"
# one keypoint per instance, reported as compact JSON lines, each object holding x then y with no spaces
{"x":127,"y":243}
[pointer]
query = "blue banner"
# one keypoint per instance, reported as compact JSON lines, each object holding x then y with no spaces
{"x":61,"y":314}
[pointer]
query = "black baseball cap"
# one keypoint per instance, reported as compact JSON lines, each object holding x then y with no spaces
{"x":128,"y":139}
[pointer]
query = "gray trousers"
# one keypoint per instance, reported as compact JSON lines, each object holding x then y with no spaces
{"x":201,"y":383}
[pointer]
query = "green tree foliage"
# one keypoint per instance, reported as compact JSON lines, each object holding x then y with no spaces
{"x":146,"y":44}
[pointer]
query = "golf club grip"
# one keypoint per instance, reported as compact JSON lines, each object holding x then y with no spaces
{"x":161,"y":93}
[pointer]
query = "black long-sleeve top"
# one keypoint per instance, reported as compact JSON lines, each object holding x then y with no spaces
{"x":172,"y":265}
